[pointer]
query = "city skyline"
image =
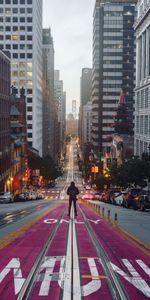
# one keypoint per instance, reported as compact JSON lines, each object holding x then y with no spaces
{"x":71,"y":27}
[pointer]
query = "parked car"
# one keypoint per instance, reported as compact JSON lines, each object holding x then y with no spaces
{"x":21,"y":197}
{"x":98,"y":196}
{"x":118,"y":197}
{"x":129,"y":198}
{"x":6,"y":197}
{"x":143,"y":200}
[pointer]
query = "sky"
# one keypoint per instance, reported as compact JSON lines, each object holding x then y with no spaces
{"x":71,"y":27}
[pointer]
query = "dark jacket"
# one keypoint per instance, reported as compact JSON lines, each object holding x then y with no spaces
{"x":72,"y":191}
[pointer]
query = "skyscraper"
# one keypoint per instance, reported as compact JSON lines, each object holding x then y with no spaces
{"x":142,"y":90}
{"x":113,"y":66}
{"x":85,"y":106}
{"x":21,"y":34}
{"x":48,"y":94}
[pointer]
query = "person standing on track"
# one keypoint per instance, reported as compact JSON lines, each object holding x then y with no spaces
{"x":72,"y":191}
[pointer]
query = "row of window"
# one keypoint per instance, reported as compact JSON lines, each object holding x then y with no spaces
{"x":14,"y":38}
{"x":16,"y":46}
{"x":16,"y":10}
{"x":22,"y":2}
{"x":141,"y":147}
{"x":142,"y":100}
{"x":22,"y":55}
{"x":15,"y":19}
{"x":143,"y":125}
{"x":15,"y":28}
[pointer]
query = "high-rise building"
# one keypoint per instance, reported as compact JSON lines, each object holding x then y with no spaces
{"x":142,"y":90}
{"x":85,"y":86}
{"x":60,"y":95}
{"x":113,"y":66}
{"x":21,"y":34}
{"x":48,"y":94}
{"x":5,"y":149}
{"x":85,"y":105}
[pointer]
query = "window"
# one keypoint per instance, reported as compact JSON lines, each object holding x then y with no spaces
{"x":15,"y":10}
{"x":29,"y":37}
{"x":8,"y":37}
{"x":22,"y":74}
{"x":22,"y":28}
{"x":7,"y":1}
{"x":29,"y":100}
{"x":146,"y":125}
{"x":15,"y":19}
{"x":1,"y":19}
{"x":15,"y":28}
{"x":29,"y":20}
{"x":8,"y":46}
{"x":15,"y":1}
{"x":15,"y":46}
{"x":1,"y":1}
{"x":1,"y":37}
{"x":29,"y":126}
{"x":29,"y":1}
{"x":22,"y":55}
{"x":29,"y":10}
{"x":29,"y":47}
{"x":1,"y":10}
{"x":146,"y":98}
{"x":22,"y":20}
{"x":22,"y":46}
{"x":15,"y":73}
{"x":29,"y":118}
{"x":7,"y":19}
{"x":15,"y":37}
{"x":22,"y":1}
{"x":29,"y":28}
{"x":22,"y":10}
{"x":15,"y":55}
{"x":29,"y":135}
{"x":29,"y":91}
{"x":22,"y":37}
{"x":8,"y":28}
{"x":29,"y":55}
{"x":29,"y":108}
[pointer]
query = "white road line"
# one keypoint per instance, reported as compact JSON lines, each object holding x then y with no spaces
{"x":68,"y":273}
{"x":76,"y":268}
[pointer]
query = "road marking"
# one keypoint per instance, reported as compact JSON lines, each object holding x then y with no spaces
{"x":76,"y":268}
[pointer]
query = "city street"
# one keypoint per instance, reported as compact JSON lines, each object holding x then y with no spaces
{"x":47,"y":255}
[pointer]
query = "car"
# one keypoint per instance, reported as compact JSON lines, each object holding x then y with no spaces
{"x":98,"y":196}
{"x":6,"y":197}
{"x":129,"y":198}
{"x":118,"y":197}
{"x":143,"y":200}
{"x":21,"y":197}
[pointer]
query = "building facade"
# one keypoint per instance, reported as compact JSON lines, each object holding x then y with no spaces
{"x":21,"y":34}
{"x":5,"y":149}
{"x":113,"y":66}
{"x":60,"y":96}
{"x":85,"y":104}
{"x":142,"y":90}
{"x":48,"y":94}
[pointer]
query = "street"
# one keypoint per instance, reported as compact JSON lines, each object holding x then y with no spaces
{"x":53,"y":256}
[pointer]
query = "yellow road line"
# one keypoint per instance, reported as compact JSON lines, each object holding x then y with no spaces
{"x":94,"y":277}
{"x":139,"y":244}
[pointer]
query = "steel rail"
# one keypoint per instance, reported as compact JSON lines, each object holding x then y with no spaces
{"x":116,"y":287}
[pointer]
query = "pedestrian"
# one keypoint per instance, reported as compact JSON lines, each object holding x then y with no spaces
{"x":72,"y":191}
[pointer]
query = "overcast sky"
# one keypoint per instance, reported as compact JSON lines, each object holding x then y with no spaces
{"x":71,"y":25}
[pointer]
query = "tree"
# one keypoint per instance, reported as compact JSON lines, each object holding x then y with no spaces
{"x":131,"y":173}
{"x":122,"y":122}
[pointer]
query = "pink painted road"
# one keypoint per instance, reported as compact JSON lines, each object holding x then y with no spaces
{"x":129,"y":262}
